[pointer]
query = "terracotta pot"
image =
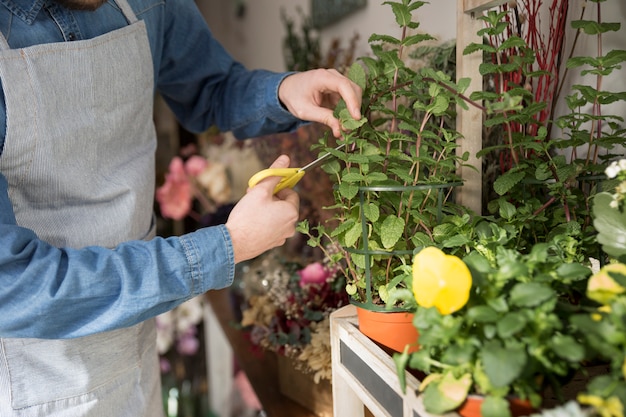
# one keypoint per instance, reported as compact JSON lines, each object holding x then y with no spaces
{"x":471,"y":407}
{"x":392,"y":329}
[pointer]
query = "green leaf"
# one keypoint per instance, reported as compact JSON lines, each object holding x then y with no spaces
{"x":529,"y":294}
{"x":503,"y":364}
{"x":591,"y":27}
{"x":402,"y":13}
{"x":510,"y":324}
{"x":353,"y":177}
{"x":495,"y":407}
{"x":348,"y":191}
{"x":610,"y":224}
{"x":512,"y":42}
{"x":446,"y":394}
{"x":505,"y":182}
{"x":348,"y":122}
{"x":568,"y":348}
{"x":506,"y":209}
{"x":383,"y":38}
{"x":439,"y":105}
{"x":401,"y":360}
{"x":482,"y":314}
{"x":371,"y":212}
{"x":573,"y":271}
{"x":391,"y":231}
{"x":356,"y":73}
{"x":353,"y":234}
{"x":420,"y":37}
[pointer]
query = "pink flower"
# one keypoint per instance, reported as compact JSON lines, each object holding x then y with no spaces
{"x":174,"y":196}
{"x":165,"y":365}
{"x":188,"y":344}
{"x":314,"y":273}
{"x":195,"y":165}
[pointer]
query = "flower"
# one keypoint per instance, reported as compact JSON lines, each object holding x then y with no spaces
{"x":617,"y":170}
{"x":290,"y":313}
{"x":440,"y":280}
{"x":179,"y":326}
{"x":206,"y":181}
{"x":313,"y":273}
{"x":602,"y":288}
{"x":174,"y":196}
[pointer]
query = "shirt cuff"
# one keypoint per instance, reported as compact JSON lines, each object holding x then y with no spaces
{"x":276,"y":110}
{"x":210,"y":257}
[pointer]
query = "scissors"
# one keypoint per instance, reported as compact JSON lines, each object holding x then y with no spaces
{"x":291,"y":176}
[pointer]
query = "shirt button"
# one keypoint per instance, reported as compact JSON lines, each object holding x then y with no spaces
{"x":71,"y":36}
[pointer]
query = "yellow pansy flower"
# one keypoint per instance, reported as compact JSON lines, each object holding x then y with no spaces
{"x":440,"y":280}
{"x":601,"y":287}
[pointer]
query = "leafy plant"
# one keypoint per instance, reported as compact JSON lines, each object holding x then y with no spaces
{"x":395,"y":178}
{"x":529,"y":258}
{"x":512,"y":338}
{"x":548,"y":184}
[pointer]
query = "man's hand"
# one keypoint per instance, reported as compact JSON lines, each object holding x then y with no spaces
{"x":311,"y":95}
{"x":261,"y":220}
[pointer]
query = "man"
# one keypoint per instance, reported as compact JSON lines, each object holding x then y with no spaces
{"x":80,"y":270}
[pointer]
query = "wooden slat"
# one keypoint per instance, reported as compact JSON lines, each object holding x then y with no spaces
{"x":469,"y":122}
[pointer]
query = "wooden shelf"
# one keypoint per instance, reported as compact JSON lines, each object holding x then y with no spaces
{"x":365,"y":375}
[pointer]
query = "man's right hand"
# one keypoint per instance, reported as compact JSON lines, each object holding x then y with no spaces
{"x":262,"y":220}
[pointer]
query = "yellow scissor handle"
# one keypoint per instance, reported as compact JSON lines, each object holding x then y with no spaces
{"x":291,"y":176}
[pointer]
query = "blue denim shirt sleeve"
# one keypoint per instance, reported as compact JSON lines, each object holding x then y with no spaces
{"x":42,"y":286}
{"x":203,"y":85}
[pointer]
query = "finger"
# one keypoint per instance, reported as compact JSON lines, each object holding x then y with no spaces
{"x":270,"y":183}
{"x":281,"y":162}
{"x":290,"y":196}
{"x":352,"y":95}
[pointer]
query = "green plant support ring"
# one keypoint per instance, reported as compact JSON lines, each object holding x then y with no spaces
{"x":365,"y":251}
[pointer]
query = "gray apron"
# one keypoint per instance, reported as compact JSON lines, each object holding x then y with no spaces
{"x":79,"y":159}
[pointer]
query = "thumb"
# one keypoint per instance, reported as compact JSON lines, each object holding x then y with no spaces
{"x":270,"y":183}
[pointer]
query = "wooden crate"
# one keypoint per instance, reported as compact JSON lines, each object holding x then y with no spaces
{"x":365,"y":375}
{"x":301,"y":388}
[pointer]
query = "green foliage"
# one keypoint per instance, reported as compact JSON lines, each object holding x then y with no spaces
{"x":513,"y":332}
{"x":395,"y":178}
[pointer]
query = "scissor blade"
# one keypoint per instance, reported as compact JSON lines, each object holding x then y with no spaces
{"x":321,"y":159}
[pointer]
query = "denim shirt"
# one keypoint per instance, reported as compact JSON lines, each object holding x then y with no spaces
{"x":46,"y":292}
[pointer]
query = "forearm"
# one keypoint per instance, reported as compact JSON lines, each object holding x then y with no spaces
{"x":49,"y":292}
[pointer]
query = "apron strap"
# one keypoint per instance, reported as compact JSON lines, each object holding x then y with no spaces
{"x":4,"y":45}
{"x":127,"y":10}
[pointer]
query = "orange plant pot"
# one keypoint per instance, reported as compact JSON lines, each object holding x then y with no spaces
{"x":392,"y":329}
{"x":471,"y":407}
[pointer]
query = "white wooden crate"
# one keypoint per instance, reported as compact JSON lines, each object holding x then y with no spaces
{"x":365,"y":375}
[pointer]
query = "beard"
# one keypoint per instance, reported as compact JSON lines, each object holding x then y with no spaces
{"x":89,"y":5}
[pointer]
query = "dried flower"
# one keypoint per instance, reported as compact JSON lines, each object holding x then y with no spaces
{"x":291,"y":316}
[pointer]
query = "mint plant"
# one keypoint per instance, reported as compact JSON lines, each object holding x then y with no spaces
{"x":556,"y":164}
{"x":395,"y":178}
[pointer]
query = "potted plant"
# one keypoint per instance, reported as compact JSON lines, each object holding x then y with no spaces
{"x":509,"y":337}
{"x":396,"y":176}
{"x":532,"y":256}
